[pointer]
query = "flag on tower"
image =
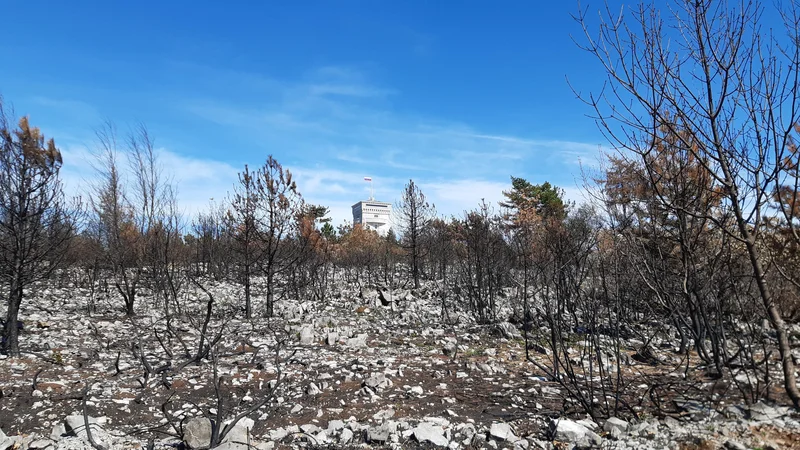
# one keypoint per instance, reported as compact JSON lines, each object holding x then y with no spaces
{"x":367,"y":178}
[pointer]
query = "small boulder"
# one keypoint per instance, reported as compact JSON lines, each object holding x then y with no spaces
{"x":417,"y":390}
{"x":383,"y":414}
{"x":75,"y":425}
{"x":335,"y":425}
{"x":332,"y":338}
{"x":197,"y":432}
{"x":59,"y":430}
{"x":39,"y":444}
{"x":346,"y":437}
{"x":507,"y":330}
{"x":5,"y":441}
{"x":368,"y":293}
{"x":426,"y":432}
{"x":240,"y":434}
{"x":733,"y":445}
{"x":377,"y":381}
{"x":313,"y":389}
{"x":615,"y":423}
{"x":569,"y":431}
{"x":306,"y":335}
{"x":381,"y":434}
{"x":502,"y":431}
{"x":763,"y":412}
{"x":359,"y":341}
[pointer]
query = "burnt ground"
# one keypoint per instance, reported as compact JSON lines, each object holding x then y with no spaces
{"x":69,"y":352}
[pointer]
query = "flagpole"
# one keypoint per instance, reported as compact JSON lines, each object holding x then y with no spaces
{"x":371,"y":189}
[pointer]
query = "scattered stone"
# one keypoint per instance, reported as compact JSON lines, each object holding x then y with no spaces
{"x":240,"y":433}
{"x":733,"y":445}
{"x":380,"y":434}
{"x":231,"y":446}
{"x":734,"y":412}
{"x":762,"y":412}
{"x":306,"y":335}
{"x":359,"y":341}
{"x":502,"y":431}
{"x":39,"y":444}
{"x":332,"y":338}
{"x":313,"y":389}
{"x":507,"y":330}
{"x":73,"y":443}
{"x":5,"y":441}
{"x":335,"y":425}
{"x":588,"y":423}
{"x":569,"y":431}
{"x":346,"y":437}
{"x":615,"y":423}
{"x":427,"y":432}
{"x":197,"y":432}
{"x":399,"y":354}
{"x":441,"y":421}
{"x":278,"y":434}
{"x":75,"y":425}
{"x":310,"y":428}
{"x":58,"y":431}
{"x":377,"y":381}
{"x":383,"y":414}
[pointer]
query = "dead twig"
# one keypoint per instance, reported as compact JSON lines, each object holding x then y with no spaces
{"x":35,"y":380}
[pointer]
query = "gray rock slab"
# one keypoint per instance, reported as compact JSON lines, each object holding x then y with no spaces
{"x":197,"y":432}
{"x":427,"y":432}
{"x":615,"y":423}
{"x":5,"y":441}
{"x":76,"y":425}
{"x":569,"y":431}
{"x":502,"y":431}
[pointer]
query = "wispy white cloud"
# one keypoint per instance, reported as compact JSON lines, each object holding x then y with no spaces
{"x":198,"y":180}
{"x":335,"y":128}
{"x":331,"y":127}
{"x":454,"y":197}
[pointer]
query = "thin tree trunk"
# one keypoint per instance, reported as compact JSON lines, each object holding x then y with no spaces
{"x":785,"y":351}
{"x":11,"y":332}
{"x":248,"y":308}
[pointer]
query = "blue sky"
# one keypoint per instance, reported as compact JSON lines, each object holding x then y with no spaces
{"x":458,"y":96}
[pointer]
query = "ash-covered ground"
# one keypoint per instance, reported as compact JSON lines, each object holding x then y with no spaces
{"x":367,"y":368}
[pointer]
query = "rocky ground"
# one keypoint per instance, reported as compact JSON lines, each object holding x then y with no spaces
{"x":368,"y":368}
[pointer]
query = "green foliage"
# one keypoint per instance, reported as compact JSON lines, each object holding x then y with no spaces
{"x":327,"y":231}
{"x":317,"y":212}
{"x":547,"y":200}
{"x":391,"y":237}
